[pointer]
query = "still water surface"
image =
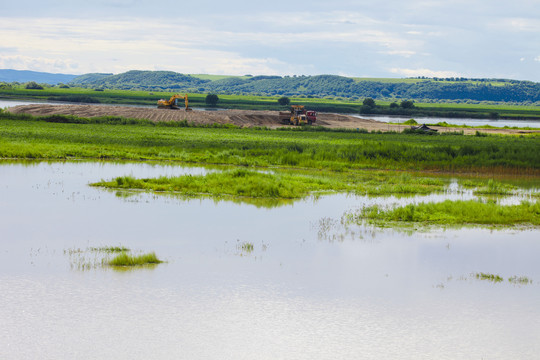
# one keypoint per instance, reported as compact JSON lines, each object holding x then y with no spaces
{"x":310,"y":289}
{"x":457,"y":121}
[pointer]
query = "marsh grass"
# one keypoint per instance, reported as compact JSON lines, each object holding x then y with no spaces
{"x":495,"y":188}
{"x":247,"y":247}
{"x":125,"y":259}
{"x":490,"y":277}
{"x":281,"y":185}
{"x":110,"y":249}
{"x":238,"y":182}
{"x":453,"y":213}
{"x":520,"y":280}
{"x":98,"y":257}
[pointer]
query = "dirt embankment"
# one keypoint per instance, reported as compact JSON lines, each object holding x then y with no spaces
{"x":245,"y":118}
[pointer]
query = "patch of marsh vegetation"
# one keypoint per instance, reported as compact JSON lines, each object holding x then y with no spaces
{"x":125,"y":259}
{"x":520,"y":280}
{"x":490,"y":277}
{"x":98,"y":257}
{"x":499,"y":188}
{"x":496,"y":188}
{"x":460,"y":212}
{"x":238,"y":182}
{"x":282,"y":185}
{"x":516,"y":280}
{"x":110,"y":249}
{"x":246,"y":247}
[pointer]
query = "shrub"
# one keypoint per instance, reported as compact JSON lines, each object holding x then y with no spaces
{"x":211,"y":99}
{"x":284,"y":101}
{"x":32,"y":85}
{"x":369,"y":102}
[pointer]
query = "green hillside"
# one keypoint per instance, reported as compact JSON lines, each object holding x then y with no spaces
{"x":323,"y":86}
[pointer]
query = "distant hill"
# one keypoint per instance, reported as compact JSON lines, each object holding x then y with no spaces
{"x":321,"y":86}
{"x":142,"y":80}
{"x":22,"y":76}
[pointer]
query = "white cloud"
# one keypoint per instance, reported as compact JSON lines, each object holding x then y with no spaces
{"x":520,"y":24}
{"x":404,"y":53}
{"x":342,"y":37}
{"x":537,"y":58}
{"x":21,"y":62}
{"x":424,"y":72}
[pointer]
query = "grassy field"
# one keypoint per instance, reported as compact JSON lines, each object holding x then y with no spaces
{"x":27,"y":137}
{"x":270,"y":103}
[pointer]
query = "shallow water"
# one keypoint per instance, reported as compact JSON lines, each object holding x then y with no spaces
{"x":311,"y":288}
{"x":457,"y":121}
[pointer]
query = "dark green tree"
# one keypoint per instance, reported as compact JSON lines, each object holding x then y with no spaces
{"x":394,"y":105}
{"x":369,"y":102}
{"x":284,"y":101}
{"x":211,"y":99}
{"x":33,"y":86}
{"x":407,"y":104}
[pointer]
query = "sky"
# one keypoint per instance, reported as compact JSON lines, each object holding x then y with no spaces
{"x":451,"y":38}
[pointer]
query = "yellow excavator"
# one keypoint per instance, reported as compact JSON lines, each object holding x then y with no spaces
{"x":172,"y":103}
{"x":298,"y":115}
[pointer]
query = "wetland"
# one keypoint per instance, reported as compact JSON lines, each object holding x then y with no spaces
{"x":294,"y":268}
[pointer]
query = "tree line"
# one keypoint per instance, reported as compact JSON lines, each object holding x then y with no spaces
{"x":322,"y":86}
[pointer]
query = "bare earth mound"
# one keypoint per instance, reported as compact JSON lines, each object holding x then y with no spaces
{"x":245,"y":118}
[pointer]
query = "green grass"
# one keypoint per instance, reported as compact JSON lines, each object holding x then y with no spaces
{"x":281,"y":187}
{"x":454,"y":213}
{"x":520,"y":280}
{"x":125,"y":259}
{"x":110,"y":249}
{"x":489,"y":277}
{"x":239,"y":182}
{"x":495,"y":188}
{"x":247,"y":247}
{"x":340,"y":151}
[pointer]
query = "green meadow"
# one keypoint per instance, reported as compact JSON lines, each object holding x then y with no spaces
{"x":63,"y":137}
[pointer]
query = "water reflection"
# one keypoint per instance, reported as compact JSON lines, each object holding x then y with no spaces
{"x":137,"y":196}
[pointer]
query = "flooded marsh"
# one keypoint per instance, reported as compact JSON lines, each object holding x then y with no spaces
{"x":243,"y":281}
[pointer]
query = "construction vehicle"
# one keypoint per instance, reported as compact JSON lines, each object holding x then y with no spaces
{"x":172,"y":103}
{"x":298,"y":115}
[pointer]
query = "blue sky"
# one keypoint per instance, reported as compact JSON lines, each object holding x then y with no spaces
{"x":483,"y":38}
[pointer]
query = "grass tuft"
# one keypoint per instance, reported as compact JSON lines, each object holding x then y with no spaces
{"x":247,"y":247}
{"x":124,"y":259}
{"x":110,"y":249}
{"x":520,"y":280}
{"x":489,"y":277}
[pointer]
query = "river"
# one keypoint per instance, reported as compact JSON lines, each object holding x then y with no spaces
{"x":310,"y":288}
